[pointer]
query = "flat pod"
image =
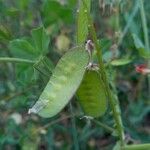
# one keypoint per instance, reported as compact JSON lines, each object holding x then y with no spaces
{"x":92,"y":95}
{"x":82,"y":21}
{"x":63,"y":84}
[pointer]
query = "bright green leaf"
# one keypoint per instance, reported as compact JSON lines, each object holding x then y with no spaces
{"x":41,"y":40}
{"x":22,"y":49}
{"x":121,"y":61}
{"x":53,"y":12}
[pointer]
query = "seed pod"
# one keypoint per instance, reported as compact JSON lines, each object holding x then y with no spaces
{"x":64,"y":82}
{"x":91,"y":94}
{"x":82,"y":21}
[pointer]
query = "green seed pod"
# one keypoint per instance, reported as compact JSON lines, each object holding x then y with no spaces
{"x":63,"y":84}
{"x":91,"y":94}
{"x":82,"y":21}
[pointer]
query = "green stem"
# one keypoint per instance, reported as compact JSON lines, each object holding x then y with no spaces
{"x":129,"y":22}
{"x":106,"y":127}
{"x":74,"y":129}
{"x":16,"y":60}
{"x":52,"y":123}
{"x":145,"y":30}
{"x":137,"y":147}
{"x":144,"y":24}
{"x":104,"y":78}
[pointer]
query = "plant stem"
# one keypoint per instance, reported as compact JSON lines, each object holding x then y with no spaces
{"x":145,"y":31}
{"x":129,"y":22}
{"x":74,"y":130}
{"x":144,"y":24}
{"x":137,"y":147}
{"x":52,"y":123}
{"x":102,"y":72}
{"x":106,"y":127}
{"x":16,"y":60}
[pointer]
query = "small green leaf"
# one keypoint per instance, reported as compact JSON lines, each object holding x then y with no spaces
{"x":51,"y":8}
{"x":121,"y":61}
{"x":13,"y":12}
{"x":108,"y":54}
{"x":53,"y":12}
{"x":82,"y":22}
{"x":143,"y":52}
{"x":45,"y":66}
{"x":105,"y":44}
{"x":63,"y":83}
{"x":4,"y":33}
{"x":41,"y":40}
{"x":138,"y":43}
{"x":66,"y":15}
{"x":22,"y":49}
{"x":117,"y":146}
{"x":92,"y":95}
{"x":24,"y":74}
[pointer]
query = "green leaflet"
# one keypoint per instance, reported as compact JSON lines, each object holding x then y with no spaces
{"x":121,"y":61}
{"x":92,"y":95}
{"x":143,"y":52}
{"x":82,"y":22}
{"x":41,"y":40}
{"x":64,"y":82}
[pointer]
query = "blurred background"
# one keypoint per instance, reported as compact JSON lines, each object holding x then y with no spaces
{"x":121,"y":29}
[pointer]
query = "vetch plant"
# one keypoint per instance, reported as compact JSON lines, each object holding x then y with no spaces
{"x":94,"y":89}
{"x":78,"y":73}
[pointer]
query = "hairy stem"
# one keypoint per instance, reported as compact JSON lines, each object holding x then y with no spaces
{"x":102,"y":72}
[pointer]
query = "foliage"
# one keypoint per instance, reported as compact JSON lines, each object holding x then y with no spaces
{"x":29,"y":35}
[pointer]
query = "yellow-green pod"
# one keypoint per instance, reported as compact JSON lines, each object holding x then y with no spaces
{"x":91,"y":94}
{"x":63,"y":83}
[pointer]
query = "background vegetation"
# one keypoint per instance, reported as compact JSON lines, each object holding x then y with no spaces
{"x":122,"y":28}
